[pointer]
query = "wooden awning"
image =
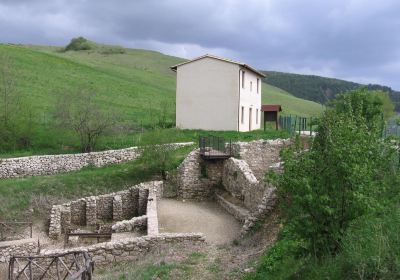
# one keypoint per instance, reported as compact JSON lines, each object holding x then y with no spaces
{"x":271,"y":108}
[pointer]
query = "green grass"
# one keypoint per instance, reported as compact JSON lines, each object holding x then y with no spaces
{"x":153,"y":136}
{"x":137,"y":84}
{"x":183,"y":269}
{"x":195,"y":265}
{"x":17,"y":196}
{"x":290,"y":104}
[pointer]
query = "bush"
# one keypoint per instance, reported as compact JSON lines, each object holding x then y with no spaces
{"x":370,"y":250}
{"x":339,"y":179}
{"x":281,"y":261}
{"x":79,"y":44}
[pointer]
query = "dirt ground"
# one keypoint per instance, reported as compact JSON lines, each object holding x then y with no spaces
{"x":206,"y":217}
{"x":224,"y":255}
{"x":230,"y":259}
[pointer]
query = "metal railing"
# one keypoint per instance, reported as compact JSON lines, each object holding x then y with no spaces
{"x":72,"y":265}
{"x":213,"y":147}
{"x":15,"y":230}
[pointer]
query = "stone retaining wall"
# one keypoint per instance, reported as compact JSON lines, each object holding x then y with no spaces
{"x":134,"y":224}
{"x":134,"y":249}
{"x":197,"y":178}
{"x":260,"y":154}
{"x":108,"y":207}
{"x":267,"y":203}
{"x":54,"y":164}
{"x":20,"y":248}
{"x":239,"y":180}
{"x":241,"y":177}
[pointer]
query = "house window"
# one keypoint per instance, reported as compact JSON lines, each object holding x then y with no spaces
{"x":251,"y":86}
{"x":243,"y":73}
{"x":242,"y":116}
{"x":256,"y":116}
{"x":258,"y":85}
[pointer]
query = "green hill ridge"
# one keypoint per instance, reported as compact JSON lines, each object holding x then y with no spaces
{"x":321,"y":89}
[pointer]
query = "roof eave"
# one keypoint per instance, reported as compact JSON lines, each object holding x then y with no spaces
{"x":175,"y":67}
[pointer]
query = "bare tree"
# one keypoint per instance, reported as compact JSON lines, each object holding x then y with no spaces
{"x":80,"y":112}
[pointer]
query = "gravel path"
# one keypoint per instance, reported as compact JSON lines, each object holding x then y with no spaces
{"x":218,"y":226}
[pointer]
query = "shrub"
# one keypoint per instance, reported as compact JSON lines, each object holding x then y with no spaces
{"x":79,"y":44}
{"x":338,"y":180}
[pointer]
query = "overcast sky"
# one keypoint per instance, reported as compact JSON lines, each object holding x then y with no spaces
{"x":349,"y":39}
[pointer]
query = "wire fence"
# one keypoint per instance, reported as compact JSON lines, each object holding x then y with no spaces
{"x":391,"y":129}
{"x":297,"y":124}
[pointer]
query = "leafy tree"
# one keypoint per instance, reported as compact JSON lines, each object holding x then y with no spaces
{"x":80,"y":112}
{"x":157,"y":157}
{"x":339,"y":179}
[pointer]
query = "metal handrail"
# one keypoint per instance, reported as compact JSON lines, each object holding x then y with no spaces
{"x":214,"y":147}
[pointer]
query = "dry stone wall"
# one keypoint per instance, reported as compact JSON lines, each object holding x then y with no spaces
{"x":134,"y":249}
{"x":196,"y":178}
{"x":241,"y":177}
{"x":239,"y":180}
{"x":54,"y":164}
{"x":91,"y":210}
{"x":267,"y":203}
{"x":22,"y":248}
{"x":260,"y":154}
{"x":134,"y":224}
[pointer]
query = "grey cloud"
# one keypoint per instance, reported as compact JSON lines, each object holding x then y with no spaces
{"x":344,"y":39}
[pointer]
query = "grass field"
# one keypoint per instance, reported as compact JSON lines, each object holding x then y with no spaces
{"x":137,"y":84}
{"x":290,"y":104}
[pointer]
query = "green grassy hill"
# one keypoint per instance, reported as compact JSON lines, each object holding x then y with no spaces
{"x":137,"y":84}
{"x":290,"y":104}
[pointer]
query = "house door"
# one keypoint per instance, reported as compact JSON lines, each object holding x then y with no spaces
{"x":250,"y":118}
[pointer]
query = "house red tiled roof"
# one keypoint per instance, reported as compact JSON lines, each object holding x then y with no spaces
{"x":271,"y":108}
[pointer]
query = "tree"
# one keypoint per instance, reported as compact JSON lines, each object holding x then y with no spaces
{"x":157,"y":157}
{"x":340,"y":178}
{"x":80,"y":112}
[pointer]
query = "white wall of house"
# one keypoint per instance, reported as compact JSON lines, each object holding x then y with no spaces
{"x":207,"y":95}
{"x":250,"y":101}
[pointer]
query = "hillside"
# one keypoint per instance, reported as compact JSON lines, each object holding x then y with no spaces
{"x":319,"y":89}
{"x":138,"y":83}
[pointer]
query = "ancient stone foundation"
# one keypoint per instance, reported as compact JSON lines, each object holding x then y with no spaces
{"x":238,"y":182}
{"x":22,"y":248}
{"x":139,"y":200}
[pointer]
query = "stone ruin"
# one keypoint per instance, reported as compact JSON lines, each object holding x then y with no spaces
{"x":131,"y":210}
{"x":237,"y":184}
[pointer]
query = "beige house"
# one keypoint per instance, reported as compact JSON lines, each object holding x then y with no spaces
{"x":214,"y":93}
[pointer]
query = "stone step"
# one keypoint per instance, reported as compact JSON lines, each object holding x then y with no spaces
{"x":234,"y":208}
